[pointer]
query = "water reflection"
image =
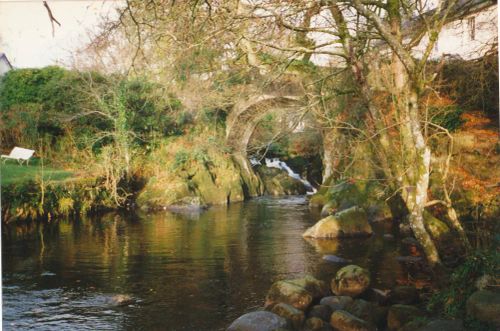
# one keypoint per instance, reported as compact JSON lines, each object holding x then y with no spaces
{"x":194,"y":271}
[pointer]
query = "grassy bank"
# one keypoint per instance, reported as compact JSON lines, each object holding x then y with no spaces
{"x":13,"y":173}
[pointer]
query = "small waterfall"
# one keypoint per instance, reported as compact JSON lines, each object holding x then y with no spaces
{"x":277,"y":163}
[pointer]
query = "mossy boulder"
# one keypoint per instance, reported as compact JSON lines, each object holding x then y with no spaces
{"x":277,"y":182}
{"x":298,"y":293}
{"x":484,"y":306}
{"x":345,"y":195}
{"x":290,"y":313}
{"x":351,"y":280}
{"x":351,"y":222}
{"x":343,"y":321}
{"x":437,"y":229}
{"x":258,"y":321}
{"x":186,"y":174}
{"x":399,"y":315}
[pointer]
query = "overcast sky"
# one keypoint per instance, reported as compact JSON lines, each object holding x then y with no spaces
{"x":26,"y":33}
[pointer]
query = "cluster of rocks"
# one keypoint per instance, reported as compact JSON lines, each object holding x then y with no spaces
{"x":346,"y":304}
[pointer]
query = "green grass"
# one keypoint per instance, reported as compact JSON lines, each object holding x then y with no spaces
{"x":14,"y":173}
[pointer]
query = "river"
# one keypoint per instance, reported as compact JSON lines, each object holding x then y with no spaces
{"x":189,"y":271}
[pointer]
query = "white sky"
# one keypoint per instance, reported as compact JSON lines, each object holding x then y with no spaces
{"x":26,"y":33}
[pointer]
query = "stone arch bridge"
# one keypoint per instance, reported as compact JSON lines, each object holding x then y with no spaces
{"x":242,"y":121}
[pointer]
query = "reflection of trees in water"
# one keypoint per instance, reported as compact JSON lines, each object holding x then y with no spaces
{"x":195,"y":270}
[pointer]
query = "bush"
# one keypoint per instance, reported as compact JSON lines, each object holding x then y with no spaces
{"x":451,"y":300}
{"x":448,"y":117}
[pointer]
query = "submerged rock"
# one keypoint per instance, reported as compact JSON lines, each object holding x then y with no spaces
{"x":122,"y":300}
{"x":344,"y":321}
{"x":351,"y":222}
{"x":258,"y":321}
{"x":351,"y":280}
{"x":484,"y":306}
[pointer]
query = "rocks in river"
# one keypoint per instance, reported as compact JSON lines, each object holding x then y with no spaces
{"x":367,"y":311}
{"x":336,"y":259}
{"x":278,"y":182}
{"x":122,"y":300}
{"x":351,"y":222}
{"x":399,"y":315}
{"x":290,"y":313}
{"x":258,"y":321}
{"x":316,"y":324}
{"x":283,"y":291}
{"x":298,"y":293}
{"x":343,"y":321}
{"x":484,"y":306}
{"x":320,"y":311}
{"x":316,"y":287}
{"x":351,"y":280}
{"x":336,"y":302}
{"x":405,"y":295}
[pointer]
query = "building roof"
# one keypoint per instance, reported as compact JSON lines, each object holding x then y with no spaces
{"x":4,"y":58}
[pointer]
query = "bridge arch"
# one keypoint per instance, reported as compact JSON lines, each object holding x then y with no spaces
{"x":241,"y":124}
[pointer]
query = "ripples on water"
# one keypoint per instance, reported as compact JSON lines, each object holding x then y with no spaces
{"x":195,"y":271}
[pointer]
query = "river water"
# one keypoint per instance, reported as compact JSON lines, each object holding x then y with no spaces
{"x":194,"y":271}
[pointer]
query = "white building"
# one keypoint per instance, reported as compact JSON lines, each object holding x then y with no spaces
{"x":4,"y":64}
{"x":469,"y":37}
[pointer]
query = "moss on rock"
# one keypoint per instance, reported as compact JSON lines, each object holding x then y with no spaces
{"x":348,"y":223}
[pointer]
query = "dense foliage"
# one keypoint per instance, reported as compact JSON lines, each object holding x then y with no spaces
{"x":52,"y":102}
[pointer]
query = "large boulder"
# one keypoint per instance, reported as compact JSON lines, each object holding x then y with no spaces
{"x":258,"y":321}
{"x":399,"y":315}
{"x":180,"y":177}
{"x":290,"y":313}
{"x":484,"y":306}
{"x":277,"y":182}
{"x":344,"y":321}
{"x":351,"y":280}
{"x":298,"y":293}
{"x":351,"y":222}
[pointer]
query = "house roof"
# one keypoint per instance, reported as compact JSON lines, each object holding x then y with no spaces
{"x":4,"y":58}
